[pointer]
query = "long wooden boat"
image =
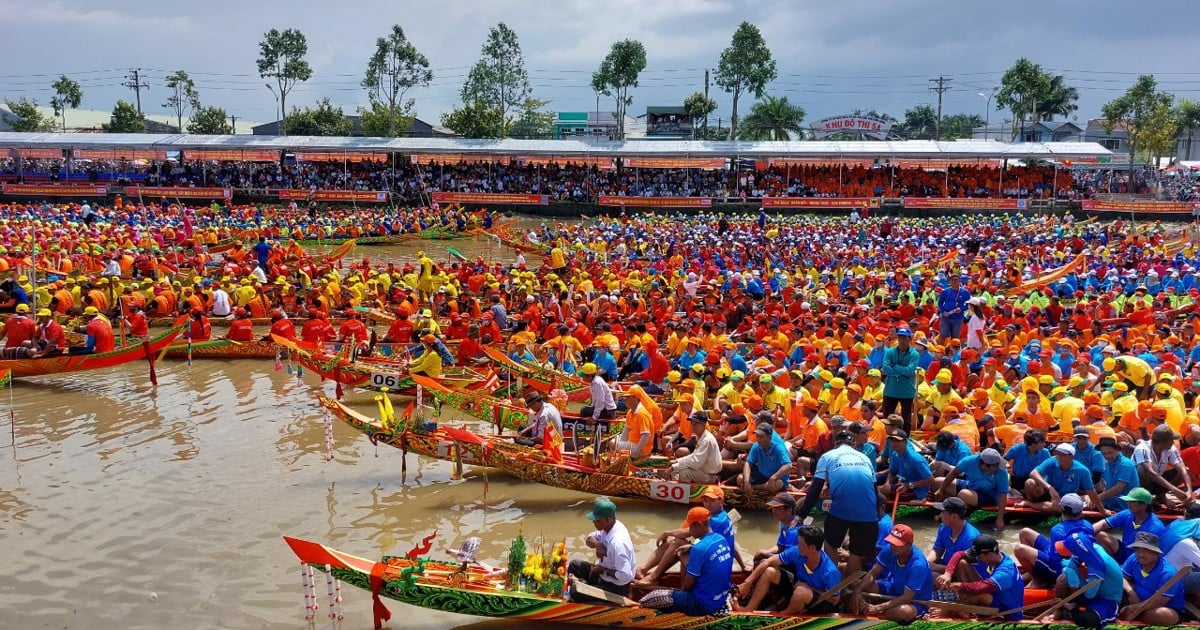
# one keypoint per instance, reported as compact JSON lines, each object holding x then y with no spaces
{"x":541,"y":378}
{"x":457,"y":587}
{"x":373,"y":375}
{"x":223,"y":349}
{"x":65,"y":363}
{"x":504,"y":413}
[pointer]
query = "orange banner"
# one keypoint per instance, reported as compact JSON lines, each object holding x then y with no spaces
{"x":36,"y":154}
{"x":118,"y":154}
{"x":179,"y":192}
{"x":605,"y":164}
{"x":1149,"y":207}
{"x":643,"y":162}
{"x":365,"y":196}
{"x":820,"y":202}
{"x":656,"y":202}
{"x":232,"y":155}
{"x":339,"y":157}
{"x":48,"y":190}
{"x":813,"y":161}
{"x":965,"y":204}
{"x":943,"y":164}
{"x":458,"y":158}
{"x":487,"y":198}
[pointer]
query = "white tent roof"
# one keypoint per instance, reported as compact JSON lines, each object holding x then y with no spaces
{"x":959,"y":149}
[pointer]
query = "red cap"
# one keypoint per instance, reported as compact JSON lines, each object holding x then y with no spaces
{"x":901,"y":535}
{"x":697,"y":514}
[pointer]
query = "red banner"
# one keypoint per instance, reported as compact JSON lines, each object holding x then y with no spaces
{"x":50,"y":190}
{"x":965,"y":204}
{"x":118,"y":154}
{"x":232,"y":155}
{"x":310,"y":156}
{"x":1149,"y":207}
{"x":36,"y":154}
{"x":820,"y":202}
{"x":656,"y":202}
{"x":642,"y":162}
{"x":365,"y":196}
{"x":486,"y":198}
{"x":179,"y":192}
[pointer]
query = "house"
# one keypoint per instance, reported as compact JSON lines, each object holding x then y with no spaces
{"x":598,"y":125}
{"x":1040,"y":131}
{"x":1187,"y":148}
{"x":668,"y":123}
{"x":1116,"y":140}
{"x":418,"y":129}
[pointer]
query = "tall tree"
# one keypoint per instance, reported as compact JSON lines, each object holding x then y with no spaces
{"x":322,"y":120}
{"x":534,"y":122}
{"x":773,"y":119}
{"x":919,"y":123}
{"x":957,"y":126}
{"x":474,"y":119}
{"x":183,"y":98}
{"x":1159,"y":134}
{"x":746,"y":66}
{"x":1187,"y":115}
{"x":1139,"y":108}
{"x":499,"y":79}
{"x":395,"y":68}
{"x":618,"y":73}
{"x":1033,"y":94}
{"x":67,"y":93}
{"x":1060,"y":99}
{"x":125,"y":119}
{"x":210,"y":121}
{"x":380,"y":122}
{"x":281,"y":57}
{"x":28,"y":118}
{"x":698,"y":107}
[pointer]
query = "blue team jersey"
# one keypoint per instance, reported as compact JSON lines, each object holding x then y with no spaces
{"x":767,"y":461}
{"x":1177,"y":531}
{"x":850,"y":476}
{"x":1120,"y":470}
{"x":954,"y":454}
{"x":788,"y":534}
{"x":994,"y":483}
{"x":949,"y":545}
{"x":1090,"y":457}
{"x":1076,"y":479}
{"x":1146,"y":584}
{"x":1022,"y":461}
{"x":1010,"y":587}
{"x":885,"y":529}
{"x":721,"y":524}
{"x":1123,"y":521}
{"x":914,"y":574}
{"x":910,"y":467}
{"x":823,"y":578}
{"x":711,"y":563}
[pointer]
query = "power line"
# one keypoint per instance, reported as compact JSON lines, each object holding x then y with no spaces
{"x":136,"y":83}
{"x":943,"y":84}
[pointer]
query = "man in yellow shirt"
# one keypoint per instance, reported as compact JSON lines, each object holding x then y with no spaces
{"x":1137,"y":372}
{"x":430,"y":362}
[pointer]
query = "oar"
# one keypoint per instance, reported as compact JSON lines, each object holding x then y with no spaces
{"x":150,"y":360}
{"x":837,"y":588}
{"x":1066,"y":600}
{"x":895,"y":501}
{"x":1162,"y":589}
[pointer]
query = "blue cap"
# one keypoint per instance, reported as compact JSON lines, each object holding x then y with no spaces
{"x":903,"y":332}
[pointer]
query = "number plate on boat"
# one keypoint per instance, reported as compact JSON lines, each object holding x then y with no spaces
{"x":384,"y":379}
{"x":671,"y":491}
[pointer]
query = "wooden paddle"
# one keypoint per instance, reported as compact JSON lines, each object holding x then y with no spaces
{"x":965,"y":608}
{"x":1066,"y":600}
{"x":1141,"y":607}
{"x":837,"y":588}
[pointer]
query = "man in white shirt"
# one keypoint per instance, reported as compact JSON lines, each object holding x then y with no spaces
{"x":616,"y":565}
{"x":704,"y":463}
{"x":604,"y":406}
{"x":221,"y":306}
{"x":541,"y":414}
{"x":1160,"y":467}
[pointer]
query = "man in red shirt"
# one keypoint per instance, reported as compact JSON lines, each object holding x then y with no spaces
{"x":200,"y":329}
{"x":281,"y":326}
{"x":241,"y":328}
{"x":353,"y":330}
{"x":19,"y":330}
{"x":53,"y":340}
{"x":317,"y":330}
{"x":139,"y":326}
{"x":99,"y":333}
{"x":400,"y":331}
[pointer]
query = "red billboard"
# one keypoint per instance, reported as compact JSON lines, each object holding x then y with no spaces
{"x":491,"y":198}
{"x":948,"y":203}
{"x":50,"y":190}
{"x":365,"y":196}
{"x":820,"y":202}
{"x":656,"y":202}
{"x":1149,"y":207}
{"x":179,"y":192}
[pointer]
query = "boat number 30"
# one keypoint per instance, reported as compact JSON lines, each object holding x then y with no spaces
{"x":384,"y":379}
{"x":671,"y":491}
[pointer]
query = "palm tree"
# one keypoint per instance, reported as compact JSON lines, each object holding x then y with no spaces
{"x":772,"y":119}
{"x":1059,"y":100}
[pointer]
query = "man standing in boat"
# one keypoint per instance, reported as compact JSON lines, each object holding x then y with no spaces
{"x":850,"y":476}
{"x":615,"y":564}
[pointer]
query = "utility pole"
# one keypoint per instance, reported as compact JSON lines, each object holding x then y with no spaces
{"x":233,"y":123}
{"x":134,"y":81}
{"x":943,"y":84}
{"x":706,"y":98}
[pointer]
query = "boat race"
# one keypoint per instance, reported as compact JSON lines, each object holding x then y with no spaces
{"x":718,"y":317}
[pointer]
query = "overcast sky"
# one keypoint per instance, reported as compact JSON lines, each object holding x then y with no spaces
{"x":832,"y":56}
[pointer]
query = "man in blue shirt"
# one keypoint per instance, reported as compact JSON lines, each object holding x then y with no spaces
{"x":1147,"y":571}
{"x":979,"y":481}
{"x":1087,"y":561}
{"x":262,"y":251}
{"x":783,"y":508}
{"x":908,"y":472}
{"x":1036,"y":554}
{"x":1026,"y":456}
{"x":1180,"y":542}
{"x":1119,"y":476}
{"x":704,"y":585}
{"x":674,"y":545}
{"x":768,"y":466}
{"x":949,"y":450}
{"x":798,"y":575}
{"x":1053,"y":479}
{"x":1131,"y":521}
{"x":900,"y":374}
{"x":900,"y":571}
{"x":955,"y":534}
{"x":987,"y":578}
{"x":952,"y":306}
{"x":850,"y":476}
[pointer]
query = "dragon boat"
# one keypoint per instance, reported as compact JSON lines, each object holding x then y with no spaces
{"x":65,"y":363}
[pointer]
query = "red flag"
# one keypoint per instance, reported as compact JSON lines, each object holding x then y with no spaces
{"x":423,"y":548}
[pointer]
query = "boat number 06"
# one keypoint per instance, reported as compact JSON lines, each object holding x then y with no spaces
{"x":671,"y":491}
{"x":384,"y":379}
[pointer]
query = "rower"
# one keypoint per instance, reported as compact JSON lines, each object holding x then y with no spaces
{"x":984,"y":576}
{"x":1086,"y":561}
{"x":908,"y":472}
{"x":1132,"y":522}
{"x":99,"y":333}
{"x":850,"y":476}
{"x":1035,"y":553}
{"x":768,"y":465}
{"x":674,"y":545}
{"x":615,"y":560}
{"x":241,"y":329}
{"x":984,"y":482}
{"x":797,"y":576}
{"x":901,"y":572}
{"x":430,"y":362}
{"x":1146,"y":571}
{"x":543,"y":417}
{"x":1056,"y":478}
{"x":705,"y":585}
{"x":783,"y":509}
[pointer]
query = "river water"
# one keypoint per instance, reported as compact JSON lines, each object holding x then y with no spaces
{"x":123,"y":505}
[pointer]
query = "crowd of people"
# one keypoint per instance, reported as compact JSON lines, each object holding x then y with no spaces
{"x":568,"y":182}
